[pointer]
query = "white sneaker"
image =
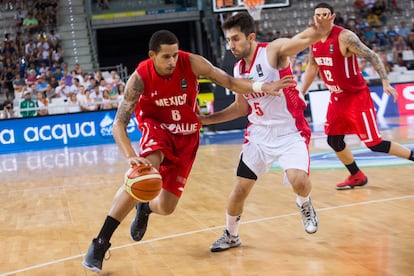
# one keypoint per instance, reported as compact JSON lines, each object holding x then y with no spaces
{"x":309,"y":218}
{"x":226,"y":241}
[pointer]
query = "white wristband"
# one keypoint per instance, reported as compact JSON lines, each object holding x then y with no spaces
{"x":257,"y":86}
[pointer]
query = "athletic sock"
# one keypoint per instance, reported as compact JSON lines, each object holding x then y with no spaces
{"x":233,"y":223}
{"x":352,"y":168}
{"x":301,"y":199}
{"x":108,"y":228}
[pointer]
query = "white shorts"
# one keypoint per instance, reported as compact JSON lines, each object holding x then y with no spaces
{"x":265,"y":145}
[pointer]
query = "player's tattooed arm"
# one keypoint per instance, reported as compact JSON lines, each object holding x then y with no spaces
{"x":356,"y":46}
{"x":133,"y":89}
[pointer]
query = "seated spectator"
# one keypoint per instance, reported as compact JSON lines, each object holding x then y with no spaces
{"x":62,"y":91}
{"x":373,"y":20}
{"x":81,"y":94}
{"x":379,"y":9}
{"x":7,"y":112}
{"x":73,"y":104}
{"x":41,"y":83}
{"x":30,"y":24}
{"x":27,"y":106}
{"x":403,"y":30}
{"x":18,"y":19}
{"x":42,"y":104}
{"x":19,"y":85}
{"x":106,"y":100}
{"x":54,"y":39}
{"x":88,"y":104}
{"x":50,"y":92}
{"x":386,"y":61}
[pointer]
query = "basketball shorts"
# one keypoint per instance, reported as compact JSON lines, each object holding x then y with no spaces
{"x":179,"y":154}
{"x":264,"y":146}
{"x":353,"y":114}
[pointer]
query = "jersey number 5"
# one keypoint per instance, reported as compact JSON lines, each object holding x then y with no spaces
{"x":258,"y":110}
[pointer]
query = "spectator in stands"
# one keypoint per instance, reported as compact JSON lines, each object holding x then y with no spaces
{"x":106,"y":100}
{"x":92,"y":84}
{"x":96,"y":95}
{"x":42,"y":104}
{"x":403,"y":30}
{"x":30,"y":24}
{"x":398,"y":47}
{"x":53,"y":82}
{"x":54,"y":39}
{"x":27,"y":106}
{"x":41,"y":83}
{"x":74,"y":88}
{"x":379,"y":9}
{"x":78,"y":69}
{"x":67,"y":77}
{"x":391,"y":33}
{"x":89,"y":104}
{"x":58,"y":73}
{"x":360,"y":7}
{"x":18,"y":19}
{"x":387,"y":62}
{"x":373,"y":20}
{"x":121,"y":92}
{"x":81,"y":95}
{"x":73,"y":103}
{"x":7,"y":112}
{"x":50,"y":92}
{"x":381,"y":38}
{"x":62,"y":91}
{"x":19,"y":85}
{"x":29,"y":47}
{"x":57,"y":55}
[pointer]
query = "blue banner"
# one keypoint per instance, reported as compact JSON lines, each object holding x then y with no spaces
{"x":57,"y":131}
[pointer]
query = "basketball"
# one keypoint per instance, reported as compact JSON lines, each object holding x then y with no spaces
{"x":143,"y":182}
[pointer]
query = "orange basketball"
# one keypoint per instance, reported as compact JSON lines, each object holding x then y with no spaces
{"x":143,"y":182}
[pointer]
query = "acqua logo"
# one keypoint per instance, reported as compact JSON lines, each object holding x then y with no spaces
{"x":107,"y":123}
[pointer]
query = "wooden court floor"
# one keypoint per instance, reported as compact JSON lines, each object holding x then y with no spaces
{"x":54,"y":202}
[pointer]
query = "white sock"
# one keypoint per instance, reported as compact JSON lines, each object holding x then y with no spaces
{"x":233,"y":223}
{"x":300,"y":199}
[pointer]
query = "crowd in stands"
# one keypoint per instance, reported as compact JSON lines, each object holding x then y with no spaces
{"x":35,"y":80}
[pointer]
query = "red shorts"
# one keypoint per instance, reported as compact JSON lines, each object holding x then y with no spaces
{"x":353,"y":113}
{"x":179,"y":151}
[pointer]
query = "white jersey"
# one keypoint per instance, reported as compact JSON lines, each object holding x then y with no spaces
{"x":285,"y":112}
{"x":277,"y":127}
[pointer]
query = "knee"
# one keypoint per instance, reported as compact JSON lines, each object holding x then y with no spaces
{"x":336,"y":142}
{"x":299,"y":179}
{"x":384,"y":147}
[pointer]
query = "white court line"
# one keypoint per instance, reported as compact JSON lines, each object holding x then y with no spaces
{"x":209,"y":229}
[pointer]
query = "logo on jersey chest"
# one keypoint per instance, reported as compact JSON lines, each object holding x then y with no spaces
{"x":259,"y":70}
{"x":331,"y":49}
{"x":184,"y":84}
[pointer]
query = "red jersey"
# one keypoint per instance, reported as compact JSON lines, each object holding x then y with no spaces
{"x":169,"y":100}
{"x":340,"y":74}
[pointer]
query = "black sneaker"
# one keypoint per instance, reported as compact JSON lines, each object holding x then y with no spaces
{"x":96,"y":253}
{"x":140,"y":222}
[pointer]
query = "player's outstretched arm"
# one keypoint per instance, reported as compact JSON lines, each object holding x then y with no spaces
{"x":202,"y":67}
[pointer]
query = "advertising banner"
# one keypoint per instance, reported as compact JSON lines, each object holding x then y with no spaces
{"x":56,"y":131}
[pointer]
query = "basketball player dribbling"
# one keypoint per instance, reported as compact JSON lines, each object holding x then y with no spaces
{"x":351,"y":109}
{"x":162,"y":93}
{"x":277,"y":128}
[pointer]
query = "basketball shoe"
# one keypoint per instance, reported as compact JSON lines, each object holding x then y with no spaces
{"x":358,"y":179}
{"x":96,"y":253}
{"x":226,"y":241}
{"x":309,"y":218}
{"x":140,"y":222}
